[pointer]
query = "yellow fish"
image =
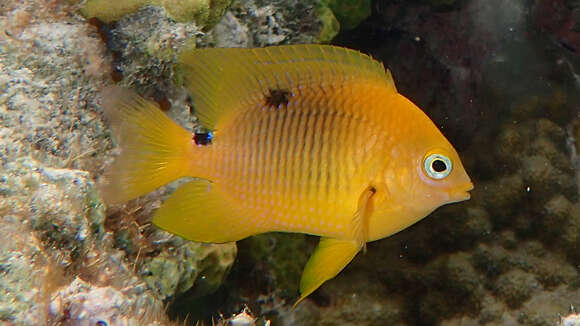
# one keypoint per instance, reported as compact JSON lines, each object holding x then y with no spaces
{"x":303,"y":138}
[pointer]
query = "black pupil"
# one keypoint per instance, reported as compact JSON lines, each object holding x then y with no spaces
{"x":439,"y":166}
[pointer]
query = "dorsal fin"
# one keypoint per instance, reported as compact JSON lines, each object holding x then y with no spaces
{"x":221,"y":78}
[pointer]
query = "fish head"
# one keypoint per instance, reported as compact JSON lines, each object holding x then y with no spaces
{"x":425,"y":174}
{"x":428,"y":171}
{"x":440,"y":176}
{"x":437,"y":176}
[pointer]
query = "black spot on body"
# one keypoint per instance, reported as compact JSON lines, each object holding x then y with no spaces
{"x":202,"y":138}
{"x":277,"y":97}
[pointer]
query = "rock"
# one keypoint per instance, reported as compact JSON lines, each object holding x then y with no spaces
{"x":23,"y":265}
{"x":230,"y":33}
{"x":84,"y":304}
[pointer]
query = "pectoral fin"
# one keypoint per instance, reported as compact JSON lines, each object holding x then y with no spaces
{"x":331,"y":256}
{"x":360,"y":218}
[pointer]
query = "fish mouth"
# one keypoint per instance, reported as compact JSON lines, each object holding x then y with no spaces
{"x":461,"y":193}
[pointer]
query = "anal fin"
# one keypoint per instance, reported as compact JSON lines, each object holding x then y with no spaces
{"x":199,"y":211}
{"x":330,"y":257}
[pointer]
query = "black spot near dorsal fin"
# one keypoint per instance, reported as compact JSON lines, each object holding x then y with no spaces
{"x":277,"y":97}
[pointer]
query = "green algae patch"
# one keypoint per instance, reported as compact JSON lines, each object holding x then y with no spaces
{"x":337,"y":14}
{"x":203,"y":12}
{"x":350,"y":13}
{"x":111,"y":10}
{"x":330,"y":25}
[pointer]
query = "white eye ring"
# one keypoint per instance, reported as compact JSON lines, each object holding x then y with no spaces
{"x":437,"y":166}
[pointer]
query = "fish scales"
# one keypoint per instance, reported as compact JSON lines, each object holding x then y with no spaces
{"x":266,"y":149}
{"x":303,"y":138}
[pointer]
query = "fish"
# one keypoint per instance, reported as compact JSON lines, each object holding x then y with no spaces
{"x":311,"y":139}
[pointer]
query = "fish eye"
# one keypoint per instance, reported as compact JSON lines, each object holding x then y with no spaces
{"x":437,"y":166}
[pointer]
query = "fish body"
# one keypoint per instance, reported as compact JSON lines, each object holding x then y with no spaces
{"x":306,"y":138}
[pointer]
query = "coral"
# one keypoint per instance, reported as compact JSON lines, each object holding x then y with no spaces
{"x":85,"y":304}
{"x":58,"y":210}
{"x":546,"y":309}
{"x":203,"y":12}
{"x":490,"y":261}
{"x":280,"y":256}
{"x":190,"y":266}
{"x":515,"y":287}
{"x":462,"y":279}
{"x":146,"y":45}
{"x":351,"y":307}
{"x":264,"y":23}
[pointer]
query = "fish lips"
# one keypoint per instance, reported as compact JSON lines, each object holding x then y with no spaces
{"x":460,"y":193}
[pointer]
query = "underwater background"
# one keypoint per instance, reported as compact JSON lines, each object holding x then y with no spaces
{"x":499,"y":77}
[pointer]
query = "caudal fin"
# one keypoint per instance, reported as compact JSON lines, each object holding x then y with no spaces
{"x":154,"y":149}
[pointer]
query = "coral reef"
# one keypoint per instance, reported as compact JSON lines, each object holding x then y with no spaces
{"x":509,"y":256}
{"x":69,"y":260}
{"x":195,"y":267}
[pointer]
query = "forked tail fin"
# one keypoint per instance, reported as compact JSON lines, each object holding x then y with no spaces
{"x":154,"y":149}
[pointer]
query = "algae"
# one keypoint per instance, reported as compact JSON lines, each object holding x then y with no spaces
{"x":350,"y":13}
{"x":203,"y":12}
{"x":330,"y":25}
